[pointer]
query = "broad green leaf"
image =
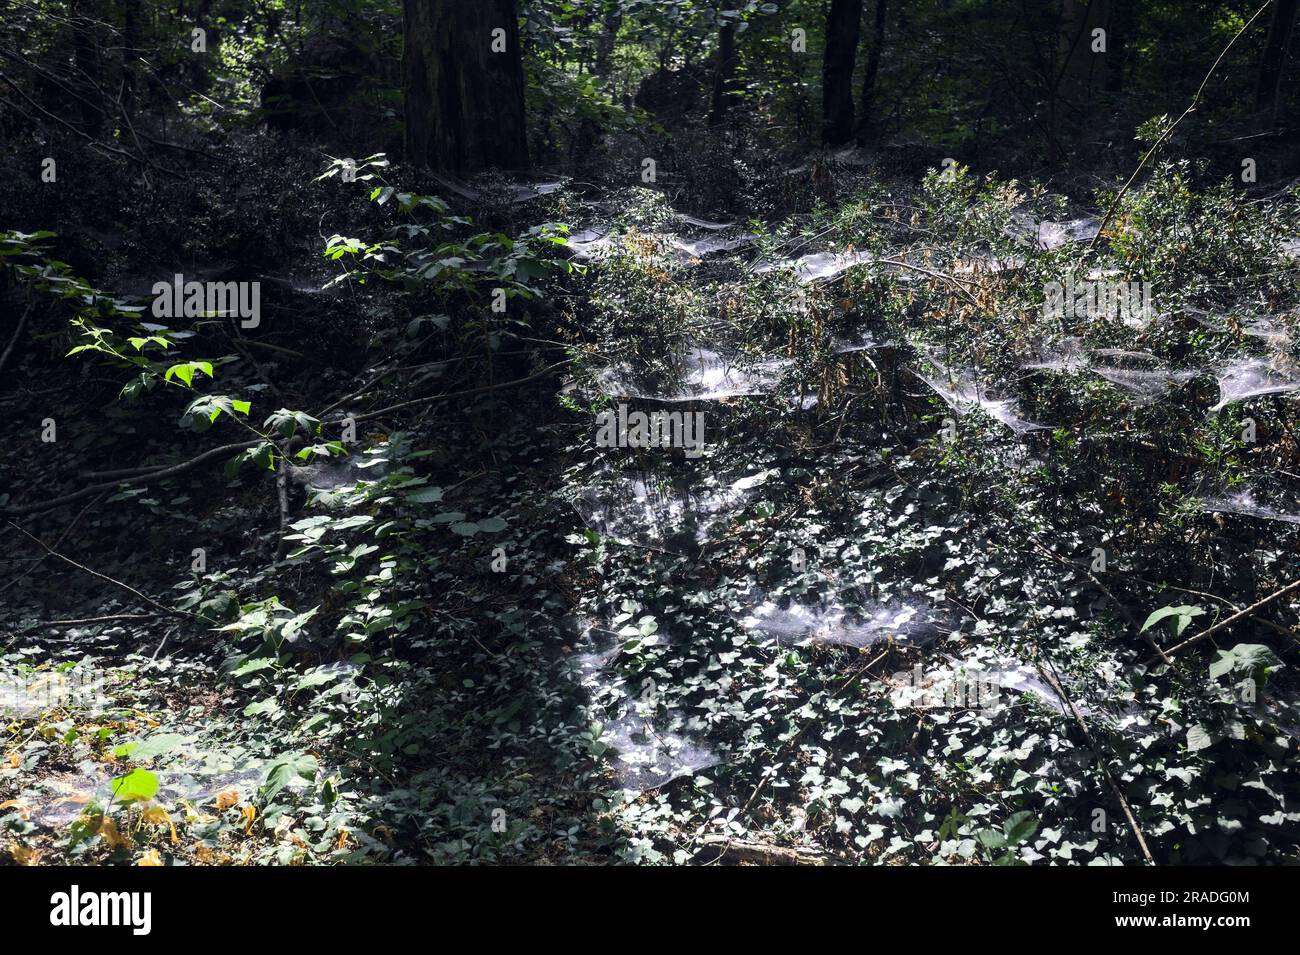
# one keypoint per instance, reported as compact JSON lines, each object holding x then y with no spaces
{"x":287,"y":771}
{"x":1184,"y":615}
{"x":138,"y":784}
{"x":1020,"y":827}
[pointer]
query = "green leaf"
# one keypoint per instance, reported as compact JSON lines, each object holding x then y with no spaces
{"x":1249,"y":658}
{"x":152,"y":746}
{"x":287,"y":771}
{"x":181,"y":371}
{"x":1020,"y":827}
{"x":425,"y":495}
{"x":319,"y":677}
{"x":253,"y":666}
{"x":1198,"y":738}
{"x":1184,"y":615}
{"x":137,"y":785}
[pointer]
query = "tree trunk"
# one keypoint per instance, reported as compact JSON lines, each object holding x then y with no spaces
{"x":131,"y":29}
{"x":610,"y":23}
{"x":726,"y":69}
{"x":867,"y":102}
{"x":1275,"y":51}
{"x":843,"y":24}
{"x":1079,"y":64}
{"x":1123,"y":22}
{"x":85,"y":45}
{"x":464,"y":100}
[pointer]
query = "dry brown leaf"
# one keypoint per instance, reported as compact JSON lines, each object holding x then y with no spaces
{"x":157,"y":816}
{"x":22,"y":855}
{"x":108,"y":831}
{"x":24,"y":810}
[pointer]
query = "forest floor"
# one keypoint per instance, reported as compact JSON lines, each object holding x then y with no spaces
{"x":892,"y":607}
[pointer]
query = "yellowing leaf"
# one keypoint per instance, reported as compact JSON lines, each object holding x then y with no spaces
{"x":157,"y":816}
{"x":250,"y":814}
{"x":108,"y":831}
{"x":22,"y":855}
{"x":150,"y":857}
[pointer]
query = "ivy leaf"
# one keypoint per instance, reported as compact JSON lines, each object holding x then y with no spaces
{"x":1199,"y":738}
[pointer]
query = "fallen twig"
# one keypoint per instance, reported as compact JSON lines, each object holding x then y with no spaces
{"x":1101,"y":763}
{"x":18,"y":331}
{"x":146,"y":478}
{"x":169,"y":611}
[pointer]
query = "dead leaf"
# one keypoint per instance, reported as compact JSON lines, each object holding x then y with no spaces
{"x":157,"y":816}
{"x":22,"y":855}
{"x":227,"y":798}
{"x":150,"y":857}
{"x":108,"y":831}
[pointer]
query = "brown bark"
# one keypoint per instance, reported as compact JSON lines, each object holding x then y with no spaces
{"x":464,"y":102}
